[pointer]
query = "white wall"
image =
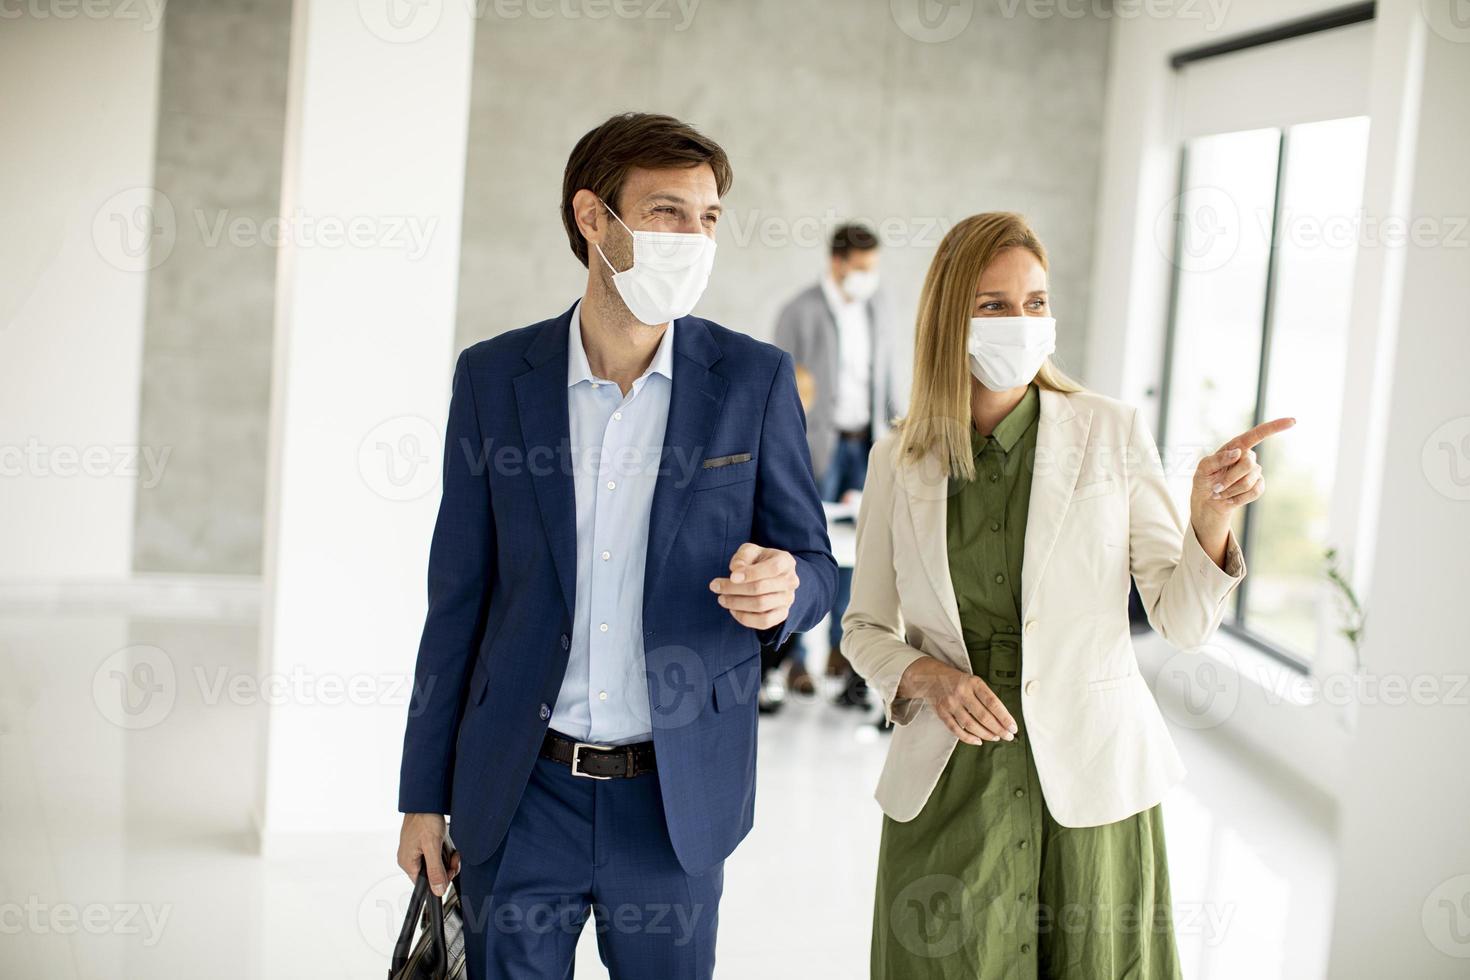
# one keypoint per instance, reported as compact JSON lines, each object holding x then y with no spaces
{"x":1403,"y":901}
{"x":77,"y":120}
{"x":375,"y":139}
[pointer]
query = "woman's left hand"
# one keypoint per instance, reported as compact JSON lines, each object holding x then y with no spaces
{"x":1226,"y":480}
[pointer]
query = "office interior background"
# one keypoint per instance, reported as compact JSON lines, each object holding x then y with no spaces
{"x":245,"y":240}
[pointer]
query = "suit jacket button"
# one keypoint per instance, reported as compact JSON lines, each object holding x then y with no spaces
{"x":545,"y":712}
{"x":566,"y":642}
{"x":1030,"y":688}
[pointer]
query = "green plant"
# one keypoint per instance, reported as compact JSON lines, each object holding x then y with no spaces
{"x":1351,"y":609}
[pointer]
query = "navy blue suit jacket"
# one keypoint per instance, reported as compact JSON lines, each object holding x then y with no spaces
{"x":502,"y":581}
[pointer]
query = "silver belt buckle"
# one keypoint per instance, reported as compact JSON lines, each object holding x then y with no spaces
{"x":577,"y":758}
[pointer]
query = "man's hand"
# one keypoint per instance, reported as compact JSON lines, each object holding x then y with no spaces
{"x":761,"y":587}
{"x":964,"y":702}
{"x":422,"y":838}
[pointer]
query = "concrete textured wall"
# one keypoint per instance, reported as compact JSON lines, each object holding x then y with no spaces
{"x":207,"y":353}
{"x":827,"y":110}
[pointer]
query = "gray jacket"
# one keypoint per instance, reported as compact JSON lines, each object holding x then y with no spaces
{"x":807,"y":330}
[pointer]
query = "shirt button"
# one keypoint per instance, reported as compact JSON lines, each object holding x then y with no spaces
{"x":1025,"y":947}
{"x":602,"y":626}
{"x":1031,"y":688}
{"x":999,"y":577}
{"x":566,"y":642}
{"x":1031,"y":627}
{"x":545,"y":712}
{"x":602,"y":695}
{"x":612,"y":484}
{"x":1020,"y":793}
{"x":606,"y":555}
{"x":1024,"y":844}
{"x":995,"y":525}
{"x":618,"y":416}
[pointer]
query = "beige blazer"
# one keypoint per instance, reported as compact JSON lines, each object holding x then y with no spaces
{"x":1100,"y":509}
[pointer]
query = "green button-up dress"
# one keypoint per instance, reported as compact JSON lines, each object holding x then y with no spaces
{"x":983,"y":884}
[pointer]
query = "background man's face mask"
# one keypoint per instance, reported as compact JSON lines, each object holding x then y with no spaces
{"x":860,"y":284}
{"x":669,"y":273}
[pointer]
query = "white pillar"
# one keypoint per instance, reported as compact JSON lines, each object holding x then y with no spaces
{"x":1403,"y":903}
{"x":372,"y":191}
{"x":83,"y":227}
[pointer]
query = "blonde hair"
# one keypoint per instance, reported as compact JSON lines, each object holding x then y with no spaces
{"x":938,"y":421}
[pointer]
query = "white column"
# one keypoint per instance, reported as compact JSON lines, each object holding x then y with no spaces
{"x":372,"y":192}
{"x":83,"y":227}
{"x":1403,"y":904}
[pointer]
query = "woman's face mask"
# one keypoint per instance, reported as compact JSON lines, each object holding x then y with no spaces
{"x":1007,"y":351}
{"x":669,"y":273}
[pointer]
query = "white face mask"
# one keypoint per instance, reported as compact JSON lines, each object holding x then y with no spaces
{"x":669,"y":273}
{"x":1007,"y":351}
{"x":860,"y":284}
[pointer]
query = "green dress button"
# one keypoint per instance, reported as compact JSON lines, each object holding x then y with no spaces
{"x":1025,"y":947}
{"x":995,"y":525}
{"x":999,"y":578}
{"x":994,"y":477}
{"x":1024,"y":844}
{"x":1020,"y":793}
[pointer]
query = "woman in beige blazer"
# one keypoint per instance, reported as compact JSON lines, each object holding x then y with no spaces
{"x":1000,"y":526}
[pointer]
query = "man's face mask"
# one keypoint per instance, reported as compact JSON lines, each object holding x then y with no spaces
{"x":669,"y":273}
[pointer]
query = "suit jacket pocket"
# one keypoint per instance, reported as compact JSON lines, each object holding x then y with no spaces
{"x":727,"y":469}
{"x":1089,"y":490}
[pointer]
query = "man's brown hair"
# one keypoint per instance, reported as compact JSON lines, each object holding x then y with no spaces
{"x":601,"y":160}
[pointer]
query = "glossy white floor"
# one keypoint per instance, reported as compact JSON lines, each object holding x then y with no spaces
{"x":125,"y":849}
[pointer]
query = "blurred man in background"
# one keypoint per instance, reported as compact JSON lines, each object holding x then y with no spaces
{"x":836,"y":333}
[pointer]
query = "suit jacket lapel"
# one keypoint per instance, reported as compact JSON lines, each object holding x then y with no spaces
{"x":1060,"y":441}
{"x":694,"y":409}
{"x":541,"y":399}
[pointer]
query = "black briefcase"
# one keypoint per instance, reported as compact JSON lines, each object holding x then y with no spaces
{"x":439,"y":923}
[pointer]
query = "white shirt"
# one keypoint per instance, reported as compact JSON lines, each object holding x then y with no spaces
{"x":852,"y":408}
{"x":616,"y":445}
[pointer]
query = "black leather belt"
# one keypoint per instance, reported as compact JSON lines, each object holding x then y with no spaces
{"x":599,"y":761}
{"x":854,"y":435}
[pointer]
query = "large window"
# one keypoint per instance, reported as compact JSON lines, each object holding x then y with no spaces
{"x":1266,"y":230}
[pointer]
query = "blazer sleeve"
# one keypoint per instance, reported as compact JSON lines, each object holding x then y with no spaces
{"x":461,"y":573}
{"x":790,"y":336}
{"x":788,"y":509}
{"x":1182,"y":588}
{"x":872,"y":628}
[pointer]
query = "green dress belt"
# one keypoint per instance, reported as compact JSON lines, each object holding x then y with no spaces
{"x":983,"y":884}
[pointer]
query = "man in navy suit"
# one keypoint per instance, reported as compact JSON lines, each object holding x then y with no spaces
{"x":628,"y":513}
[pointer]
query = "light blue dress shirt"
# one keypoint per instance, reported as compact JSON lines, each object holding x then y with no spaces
{"x":616,"y":445}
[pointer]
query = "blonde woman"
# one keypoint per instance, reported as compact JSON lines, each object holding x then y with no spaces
{"x":1001,"y":523}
